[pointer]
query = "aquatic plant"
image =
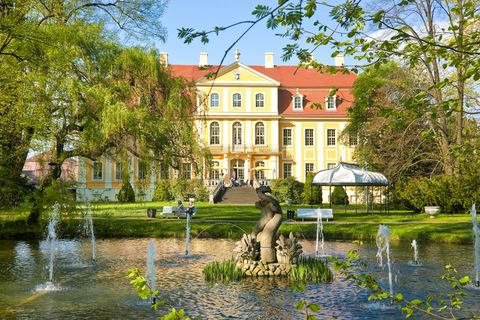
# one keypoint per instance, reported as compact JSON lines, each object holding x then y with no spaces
{"x":225,"y":271}
{"x":311,"y":270}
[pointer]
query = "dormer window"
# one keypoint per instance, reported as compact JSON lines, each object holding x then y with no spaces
{"x":331,"y":103}
{"x":297,"y":100}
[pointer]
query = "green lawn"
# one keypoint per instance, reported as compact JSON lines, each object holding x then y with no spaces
{"x":230,"y":221}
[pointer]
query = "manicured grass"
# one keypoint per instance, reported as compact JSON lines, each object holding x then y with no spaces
{"x":230,"y":221}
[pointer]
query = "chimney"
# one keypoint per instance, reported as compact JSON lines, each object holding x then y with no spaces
{"x":339,"y":60}
{"x":269,"y":60}
{"x":164,"y":58}
{"x":203,"y":59}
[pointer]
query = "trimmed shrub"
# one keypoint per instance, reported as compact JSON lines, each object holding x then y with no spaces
{"x":126,"y":194}
{"x":180,"y":188}
{"x":287,"y":189}
{"x":200,"y":191}
{"x":339,"y":196}
{"x":311,"y":194}
{"x":162,"y":191}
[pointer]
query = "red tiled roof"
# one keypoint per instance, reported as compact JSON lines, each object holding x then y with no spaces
{"x":313,"y":85}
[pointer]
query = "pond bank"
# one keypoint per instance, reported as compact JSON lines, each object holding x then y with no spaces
{"x":108,"y":227}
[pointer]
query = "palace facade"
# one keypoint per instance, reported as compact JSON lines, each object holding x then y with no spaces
{"x":260,"y":122}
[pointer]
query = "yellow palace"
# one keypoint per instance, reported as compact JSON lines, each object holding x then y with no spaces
{"x":260,"y":122}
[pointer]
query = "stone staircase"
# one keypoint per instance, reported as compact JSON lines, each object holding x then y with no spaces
{"x":240,"y":195}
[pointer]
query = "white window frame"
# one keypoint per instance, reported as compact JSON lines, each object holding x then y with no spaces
{"x":331,"y":103}
{"x":291,"y":169}
{"x":215,"y":173}
{"x":331,"y":165}
{"x":217,"y":100}
{"x":186,"y":167}
{"x":260,"y":174}
{"x":210,"y":134}
{"x":239,"y":140}
{"x":352,"y":136}
{"x":259,"y":101}
{"x":93,"y":171}
{"x":308,"y":164}
{"x":239,"y":100}
{"x":118,"y":171}
{"x":329,"y":144}
{"x":263,"y":137}
{"x":305,"y":137}
{"x":142,"y":171}
{"x":291,"y":137}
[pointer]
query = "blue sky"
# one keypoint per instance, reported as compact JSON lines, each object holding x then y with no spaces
{"x":206,"y":14}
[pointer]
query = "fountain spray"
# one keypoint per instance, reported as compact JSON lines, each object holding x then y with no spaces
{"x":88,"y":228}
{"x":151,"y":277}
{"x":52,"y":237}
{"x":383,"y":245}
{"x":476,"y":232}
{"x":187,"y":236}
{"x":415,"y":251}
{"x":319,"y":234}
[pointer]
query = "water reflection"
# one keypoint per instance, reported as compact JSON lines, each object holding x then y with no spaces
{"x":101,"y":290}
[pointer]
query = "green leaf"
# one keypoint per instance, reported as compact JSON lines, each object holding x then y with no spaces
{"x":300,"y":305}
{"x":314,"y":307}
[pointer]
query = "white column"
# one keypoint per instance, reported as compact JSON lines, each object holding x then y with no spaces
{"x":226,"y":169}
{"x":225,"y":100}
{"x":108,"y":173}
{"x":248,"y":100}
{"x":343,"y":146}
{"x":247,"y":169}
{"x":274,"y":142}
{"x":321,"y":146}
{"x":298,"y":151}
{"x":274,"y":102}
{"x":226,"y":136}
{"x":248,"y":135}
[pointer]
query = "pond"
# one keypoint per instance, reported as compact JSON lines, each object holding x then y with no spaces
{"x":100,"y":290}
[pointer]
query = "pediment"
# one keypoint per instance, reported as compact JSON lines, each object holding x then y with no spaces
{"x":239,"y":74}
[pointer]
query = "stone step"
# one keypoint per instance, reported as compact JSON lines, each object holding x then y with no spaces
{"x":240,"y":195}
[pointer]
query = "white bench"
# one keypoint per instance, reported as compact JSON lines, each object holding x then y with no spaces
{"x":173,"y":210}
{"x":314,"y":212}
{"x":168,"y":210}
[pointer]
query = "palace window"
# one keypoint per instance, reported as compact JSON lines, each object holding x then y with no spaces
{"x":331,"y":165}
{"x":308,"y":168}
{"x":259,"y":100}
{"x":331,"y":137}
{"x":142,"y":170}
{"x":97,"y":170}
{"x":309,"y":141}
{"x":331,"y":103}
{"x":186,"y":171}
{"x":237,"y":133}
{"x":118,"y":170}
{"x":214,"y":100}
{"x":287,"y":170}
{"x":214,"y":170}
{"x":214,"y":133}
{"x":259,"y":174}
{"x":297,"y":100}
{"x":352,"y":139}
{"x":237,"y":100}
{"x":287,"y":137}
{"x":259,"y":133}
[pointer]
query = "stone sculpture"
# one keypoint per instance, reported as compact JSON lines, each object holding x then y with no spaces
{"x":266,"y":228}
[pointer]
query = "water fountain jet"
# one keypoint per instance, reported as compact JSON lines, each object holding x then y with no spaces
{"x":383,"y":245}
{"x":320,"y":235}
{"x":151,"y":276}
{"x":187,"y":235}
{"x":415,"y":252}
{"x":88,"y":229}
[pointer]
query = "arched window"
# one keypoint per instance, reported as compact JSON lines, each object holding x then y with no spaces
{"x":214,"y":100}
{"x":214,"y":133}
{"x":259,"y":100}
{"x":259,"y":173}
{"x":237,"y":133}
{"x":237,"y":100}
{"x":259,"y":133}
